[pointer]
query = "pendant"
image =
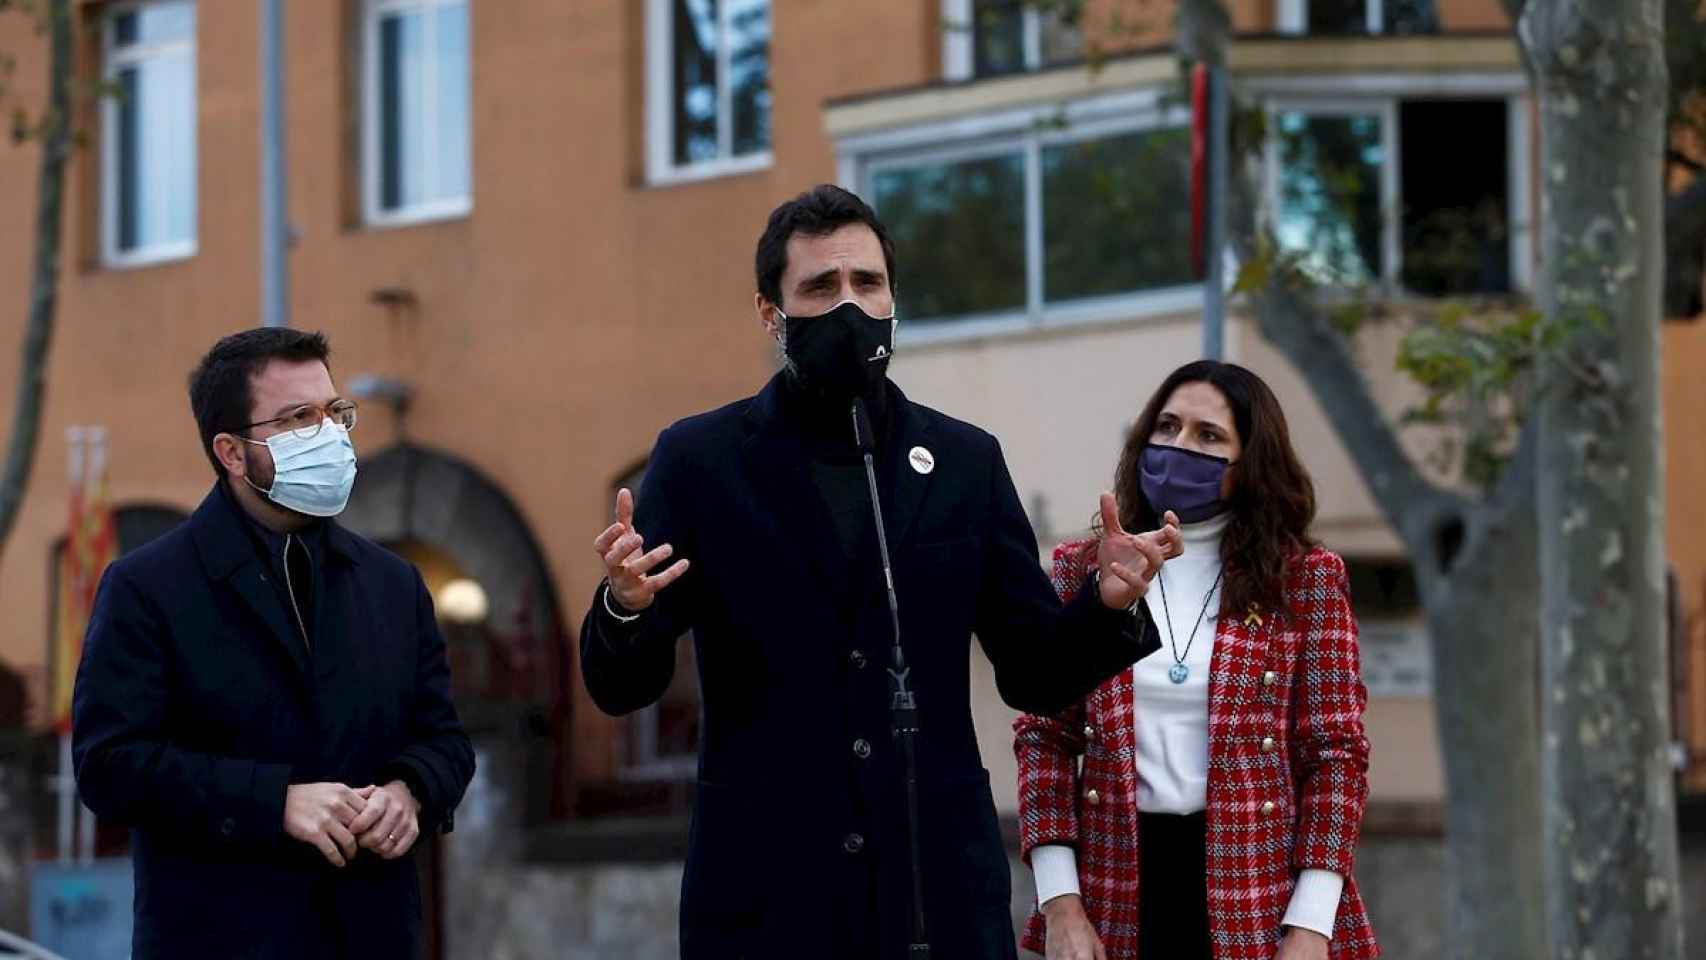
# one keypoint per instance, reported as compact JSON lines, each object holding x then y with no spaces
{"x":1178,"y":672}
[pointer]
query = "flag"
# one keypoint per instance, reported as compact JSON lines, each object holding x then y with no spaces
{"x":91,"y":542}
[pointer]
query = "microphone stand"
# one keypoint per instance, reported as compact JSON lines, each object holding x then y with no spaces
{"x":903,"y":706}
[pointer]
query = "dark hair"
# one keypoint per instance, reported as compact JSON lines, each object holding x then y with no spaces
{"x":817,"y":212}
{"x":1273,"y":499}
{"x":221,"y":385}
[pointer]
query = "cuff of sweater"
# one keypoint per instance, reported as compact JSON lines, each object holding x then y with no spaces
{"x":1315,"y":901}
{"x":1055,"y":867}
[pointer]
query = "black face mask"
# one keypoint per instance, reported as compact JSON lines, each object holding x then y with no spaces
{"x":841,"y":354}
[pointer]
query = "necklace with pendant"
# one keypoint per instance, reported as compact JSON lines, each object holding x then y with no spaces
{"x":1178,"y":672}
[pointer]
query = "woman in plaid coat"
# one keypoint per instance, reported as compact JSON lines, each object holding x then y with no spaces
{"x":1206,"y":803}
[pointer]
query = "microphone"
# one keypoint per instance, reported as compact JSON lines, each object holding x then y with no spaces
{"x":863,"y":435}
{"x":903,"y":705}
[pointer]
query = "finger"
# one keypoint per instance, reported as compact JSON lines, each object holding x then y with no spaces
{"x":329,"y":850}
{"x":408,"y":842}
{"x":625,"y":507}
{"x":344,"y":839}
{"x":1101,"y":951}
{"x":406,"y":836}
{"x":1170,"y":519}
{"x":622,"y":550}
{"x":1175,"y":542}
{"x":346,"y":811}
{"x":659,"y":581}
{"x":1154,"y":555}
{"x":1127,"y":574}
{"x":377,"y":836}
{"x":354,"y":798}
{"x":640,"y":566}
{"x":378,"y":807}
{"x":608,"y":537}
{"x":1110,"y":515}
{"x":367,"y":791}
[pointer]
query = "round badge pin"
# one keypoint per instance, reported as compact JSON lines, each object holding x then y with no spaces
{"x":922,"y":460}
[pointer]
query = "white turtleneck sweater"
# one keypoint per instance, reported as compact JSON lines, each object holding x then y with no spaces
{"x":1170,"y":722}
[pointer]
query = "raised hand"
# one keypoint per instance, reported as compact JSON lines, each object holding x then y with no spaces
{"x":1129,"y":561}
{"x":632,"y":583}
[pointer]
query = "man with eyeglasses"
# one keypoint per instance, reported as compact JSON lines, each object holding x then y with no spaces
{"x":264,"y":696}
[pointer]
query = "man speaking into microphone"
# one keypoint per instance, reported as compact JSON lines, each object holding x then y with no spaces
{"x":756,"y":530}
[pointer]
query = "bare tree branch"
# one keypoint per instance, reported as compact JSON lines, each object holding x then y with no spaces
{"x":44,"y":280}
{"x":1302,"y":332}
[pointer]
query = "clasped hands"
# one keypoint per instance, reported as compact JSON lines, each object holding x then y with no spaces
{"x":339,"y":820}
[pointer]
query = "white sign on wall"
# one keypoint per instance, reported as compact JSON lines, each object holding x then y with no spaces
{"x":1395,"y":658}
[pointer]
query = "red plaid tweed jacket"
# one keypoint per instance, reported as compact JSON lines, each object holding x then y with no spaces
{"x":1273,"y":809}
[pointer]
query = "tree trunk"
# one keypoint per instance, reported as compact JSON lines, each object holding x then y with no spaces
{"x":1610,"y":810}
{"x":1484,"y":620}
{"x":44,"y":278}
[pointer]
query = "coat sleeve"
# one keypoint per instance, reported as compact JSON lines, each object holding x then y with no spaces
{"x":1048,"y":747}
{"x":1331,"y":749}
{"x":1046,"y":655}
{"x":627,"y":665}
{"x":127,"y":770}
{"x":438,"y":761}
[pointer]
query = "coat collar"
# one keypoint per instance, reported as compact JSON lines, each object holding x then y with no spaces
{"x":778,"y":464}
{"x":229,"y":555}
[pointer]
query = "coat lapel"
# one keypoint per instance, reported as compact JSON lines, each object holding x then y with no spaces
{"x":228,"y":555}
{"x":906,"y":485}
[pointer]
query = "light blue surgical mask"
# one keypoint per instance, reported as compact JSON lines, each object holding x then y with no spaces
{"x":311,"y":475}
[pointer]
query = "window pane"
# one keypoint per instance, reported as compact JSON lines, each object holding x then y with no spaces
{"x":1062,"y":38}
{"x":1329,"y":202}
{"x":452,"y":70}
{"x":998,"y":37}
{"x":423,"y":105}
{"x":154,"y":161}
{"x":154,"y":23}
{"x":1455,"y":226}
{"x":401,"y":124}
{"x":695,"y":92}
{"x":126,"y":160}
{"x":1115,"y":215}
{"x":1409,"y":16}
{"x":1338,"y":16}
{"x":960,"y":230}
{"x":749,"y":74}
{"x":169,"y":158}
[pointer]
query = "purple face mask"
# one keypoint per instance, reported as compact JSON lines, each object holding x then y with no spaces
{"x":1183,"y":481}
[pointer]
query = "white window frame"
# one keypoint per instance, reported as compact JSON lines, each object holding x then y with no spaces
{"x":1293,"y":16}
{"x":1027,"y":131}
{"x":1380,"y":93}
{"x":112,"y":61}
{"x":661,"y":168}
{"x":447,"y":208}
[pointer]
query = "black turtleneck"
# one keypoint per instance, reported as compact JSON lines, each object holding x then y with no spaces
{"x":825,"y":429}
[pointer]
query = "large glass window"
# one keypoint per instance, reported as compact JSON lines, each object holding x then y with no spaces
{"x":1330,"y":17}
{"x":418,"y":153}
{"x":1112,"y":214}
{"x":149,"y":133}
{"x":1329,"y":198}
{"x":709,"y":86}
{"x":1039,"y":221}
{"x":1364,"y":195}
{"x":962,"y":227}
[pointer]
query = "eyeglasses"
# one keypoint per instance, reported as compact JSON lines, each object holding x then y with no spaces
{"x":305,"y":421}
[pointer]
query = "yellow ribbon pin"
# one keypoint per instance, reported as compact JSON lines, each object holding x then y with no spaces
{"x":1254,"y":619}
